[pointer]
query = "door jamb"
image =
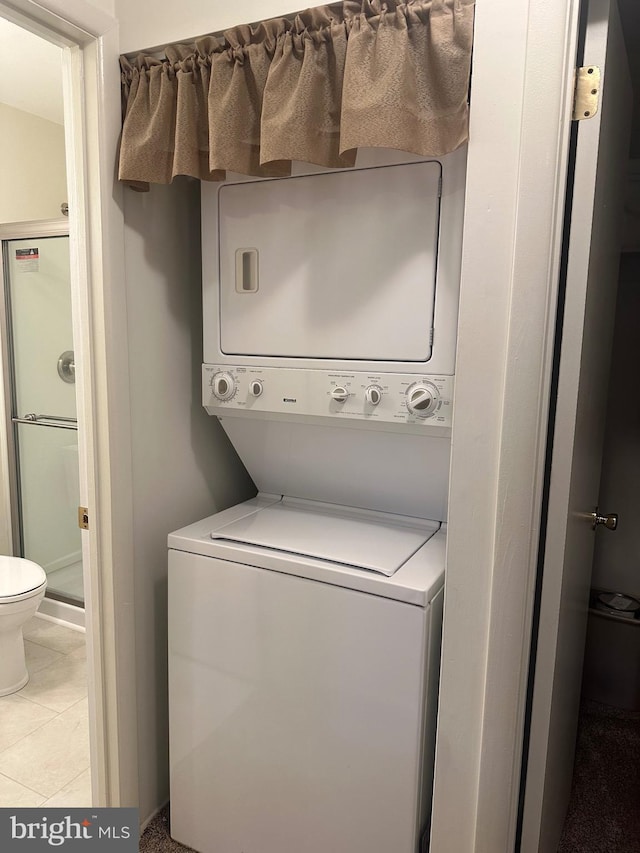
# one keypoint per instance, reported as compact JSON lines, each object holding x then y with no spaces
{"x":517,"y":161}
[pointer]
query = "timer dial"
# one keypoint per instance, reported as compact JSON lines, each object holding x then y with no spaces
{"x":339,"y":394}
{"x":422,"y":399}
{"x":223,"y":386}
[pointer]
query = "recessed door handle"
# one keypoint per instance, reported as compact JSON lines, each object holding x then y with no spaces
{"x":610,"y":521}
{"x":67,"y":366}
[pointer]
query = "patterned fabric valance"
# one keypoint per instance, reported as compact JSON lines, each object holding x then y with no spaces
{"x":359,"y":73}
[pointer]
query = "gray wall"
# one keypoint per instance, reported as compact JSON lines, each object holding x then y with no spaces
{"x":184,"y":468}
{"x":183,"y":465}
{"x":630,"y":17}
{"x":617,"y":555}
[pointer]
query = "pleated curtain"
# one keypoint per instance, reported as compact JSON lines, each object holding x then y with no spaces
{"x":314,"y":88}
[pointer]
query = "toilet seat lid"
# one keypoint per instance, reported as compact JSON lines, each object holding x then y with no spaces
{"x":18,"y":576}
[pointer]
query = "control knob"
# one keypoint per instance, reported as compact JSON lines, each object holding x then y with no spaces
{"x":256,"y":388}
{"x":339,"y":394}
{"x":422,"y":399}
{"x":223,"y":386}
{"x":373,"y":395}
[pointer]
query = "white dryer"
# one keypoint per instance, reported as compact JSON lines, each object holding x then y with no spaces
{"x":330,"y":304}
{"x":304,"y":646}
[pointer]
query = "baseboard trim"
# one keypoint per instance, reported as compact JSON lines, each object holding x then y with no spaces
{"x":145,"y":823}
{"x":62,"y":614}
{"x":63,"y":562}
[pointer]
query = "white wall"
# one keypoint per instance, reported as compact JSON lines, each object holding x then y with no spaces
{"x":145,"y":25}
{"x":107,"y":6}
{"x":34,"y":86}
{"x":33,"y":178}
{"x":183,"y":465}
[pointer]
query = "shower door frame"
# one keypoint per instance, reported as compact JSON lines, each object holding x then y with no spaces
{"x":33,"y":229}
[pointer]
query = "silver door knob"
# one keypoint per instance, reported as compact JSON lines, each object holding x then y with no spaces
{"x":610,"y":521}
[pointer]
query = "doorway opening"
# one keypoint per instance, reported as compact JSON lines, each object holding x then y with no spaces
{"x":49,"y":714}
{"x":582,"y":777}
{"x":606,"y":772}
{"x":87,"y":39}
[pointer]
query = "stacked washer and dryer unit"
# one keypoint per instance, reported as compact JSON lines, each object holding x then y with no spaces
{"x":304,"y":624}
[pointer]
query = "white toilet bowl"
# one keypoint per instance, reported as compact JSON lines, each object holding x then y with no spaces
{"x":22,"y":587}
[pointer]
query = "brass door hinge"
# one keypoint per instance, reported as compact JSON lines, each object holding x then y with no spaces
{"x":83,"y":517}
{"x":586,"y":93}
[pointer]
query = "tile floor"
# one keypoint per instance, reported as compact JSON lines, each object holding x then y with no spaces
{"x":44,"y":728}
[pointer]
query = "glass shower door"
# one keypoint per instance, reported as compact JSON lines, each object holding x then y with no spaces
{"x":44,"y":410}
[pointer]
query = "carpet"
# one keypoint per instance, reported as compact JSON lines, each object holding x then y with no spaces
{"x":604,"y":810}
{"x":156,"y":838}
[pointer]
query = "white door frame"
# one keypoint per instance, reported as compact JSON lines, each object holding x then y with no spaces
{"x":521,"y":98}
{"x":92,"y":127}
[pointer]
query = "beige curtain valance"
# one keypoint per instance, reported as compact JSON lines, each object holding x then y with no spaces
{"x":359,"y":73}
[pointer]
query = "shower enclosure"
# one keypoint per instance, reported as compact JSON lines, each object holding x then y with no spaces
{"x":39,"y":377}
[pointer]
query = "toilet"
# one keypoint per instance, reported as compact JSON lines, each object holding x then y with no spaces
{"x":22,"y":588}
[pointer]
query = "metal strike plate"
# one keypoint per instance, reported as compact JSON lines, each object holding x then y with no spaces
{"x":587,"y":92}
{"x":83,"y":517}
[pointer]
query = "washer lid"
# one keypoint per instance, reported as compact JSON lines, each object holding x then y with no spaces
{"x":18,"y":576}
{"x":364,"y":540}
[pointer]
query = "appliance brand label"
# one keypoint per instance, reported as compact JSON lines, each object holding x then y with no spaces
{"x":289,"y":400}
{"x":75,"y":829}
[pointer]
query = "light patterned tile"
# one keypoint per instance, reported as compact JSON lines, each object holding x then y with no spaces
{"x":53,"y":636}
{"x":76,"y":794}
{"x":18,"y":718}
{"x":79,"y":654}
{"x":53,"y":756}
{"x":38,"y":657}
{"x":60,"y":685}
{"x":13,"y":795}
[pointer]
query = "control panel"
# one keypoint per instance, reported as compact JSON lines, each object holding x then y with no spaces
{"x":384,"y":398}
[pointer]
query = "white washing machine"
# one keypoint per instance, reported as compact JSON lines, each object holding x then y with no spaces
{"x":304,"y":647}
{"x":304,"y":624}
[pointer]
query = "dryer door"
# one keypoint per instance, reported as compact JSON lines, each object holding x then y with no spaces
{"x":338,"y":265}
